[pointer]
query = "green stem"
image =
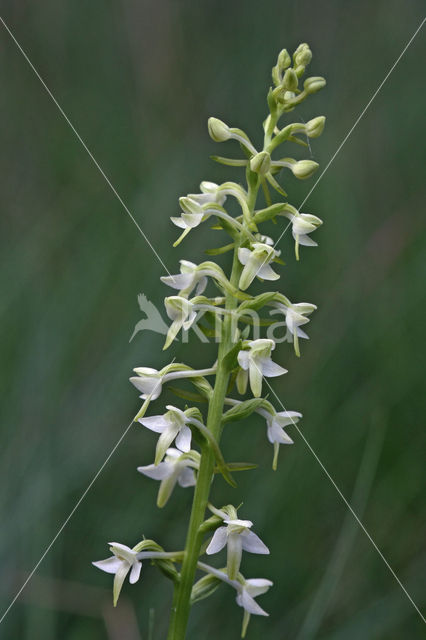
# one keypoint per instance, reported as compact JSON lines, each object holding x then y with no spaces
{"x":182,"y":594}
{"x":183,"y":588}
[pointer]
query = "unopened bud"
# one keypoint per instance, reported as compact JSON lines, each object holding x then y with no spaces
{"x":261,"y":163}
{"x":314,"y":84}
{"x":303,"y":55}
{"x":315,"y":127}
{"x":218,"y":130}
{"x":284,"y":60}
{"x":290,"y":80}
{"x":304,"y":168}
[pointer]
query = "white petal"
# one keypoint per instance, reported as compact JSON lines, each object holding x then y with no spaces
{"x":218,"y":541}
{"x":118,"y":581}
{"x":239,"y":523}
{"x":123,"y":551}
{"x":155,"y":423}
{"x":135,"y":572}
{"x":179,"y":222}
{"x":110,"y":565}
{"x":179,"y":281}
{"x":192,"y":219}
{"x":307,"y":241}
{"x":252,"y":543}
{"x":157,"y":472}
{"x":267,"y":273}
{"x":277,"y":434}
{"x":186,"y":478}
{"x":201,"y":286}
{"x":244,"y":255}
{"x":257,"y":586}
{"x":250,"y":605}
{"x":272,"y":369}
{"x":243,"y":359}
{"x":183,"y":439}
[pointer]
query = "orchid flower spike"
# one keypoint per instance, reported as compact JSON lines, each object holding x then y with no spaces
{"x":177,"y":467}
{"x":171,"y":425}
{"x":255,"y":362}
{"x":256,"y":263}
{"x":237,"y":537}
{"x":247,"y":592}
{"x":295,"y":316}
{"x":123,"y":561}
{"x":276,"y":422}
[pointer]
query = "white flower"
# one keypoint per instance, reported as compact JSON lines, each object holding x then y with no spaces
{"x":236,"y":535}
{"x":255,"y":362}
{"x":276,"y":422}
{"x":295,"y":316}
{"x":190,"y":276}
{"x":149,"y":382}
{"x":181,"y":312}
{"x":177,"y":467}
{"x":123,"y":561}
{"x":247,"y":592}
{"x":210,"y":193}
{"x":256,"y":263}
{"x":171,"y":425}
{"x":194,"y":276}
{"x":302,"y":225}
{"x":192,"y":214}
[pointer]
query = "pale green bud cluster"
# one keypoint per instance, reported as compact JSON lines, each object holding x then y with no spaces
{"x":287,"y":93}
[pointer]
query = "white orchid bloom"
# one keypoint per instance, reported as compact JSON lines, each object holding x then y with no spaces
{"x":150,"y":381}
{"x":177,"y":467}
{"x":181,"y":312}
{"x":123,"y":561}
{"x":195,"y":212}
{"x":256,"y":263}
{"x":247,"y":592}
{"x":171,"y":425}
{"x":194,"y":276}
{"x":295,"y":316}
{"x":276,"y":423}
{"x":210,"y":193}
{"x":189,"y":278}
{"x":237,"y":537}
{"x":255,"y":362}
{"x":302,"y":225}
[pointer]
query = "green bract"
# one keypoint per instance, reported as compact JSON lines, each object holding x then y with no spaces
{"x":231,"y":315}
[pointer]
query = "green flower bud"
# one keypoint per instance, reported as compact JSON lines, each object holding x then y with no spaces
{"x":303,"y":55}
{"x":261,"y":163}
{"x":304,"y":168}
{"x":218,"y":130}
{"x":284,"y":60}
{"x":315,"y":127}
{"x":314,"y":84}
{"x":290,"y":80}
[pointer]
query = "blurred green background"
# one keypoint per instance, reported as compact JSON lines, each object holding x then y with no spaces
{"x":138,"y":80}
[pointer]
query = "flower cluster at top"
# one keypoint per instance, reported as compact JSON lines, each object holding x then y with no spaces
{"x":243,"y":361}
